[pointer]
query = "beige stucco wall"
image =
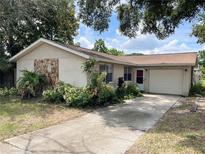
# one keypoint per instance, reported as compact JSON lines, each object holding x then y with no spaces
{"x":186,"y":77}
{"x":187,"y":80}
{"x":70,"y":70}
{"x":118,"y":71}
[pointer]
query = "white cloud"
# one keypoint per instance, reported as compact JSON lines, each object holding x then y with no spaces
{"x":118,"y":32}
{"x":140,"y":44}
{"x":84,"y":42}
{"x":173,"y":46}
{"x":149,"y":44}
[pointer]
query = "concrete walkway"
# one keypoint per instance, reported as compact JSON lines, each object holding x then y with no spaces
{"x":109,"y":130}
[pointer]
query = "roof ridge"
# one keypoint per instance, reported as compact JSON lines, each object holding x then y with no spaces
{"x":161,"y":54}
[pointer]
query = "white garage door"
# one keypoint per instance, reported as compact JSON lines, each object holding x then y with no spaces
{"x":166,"y":81}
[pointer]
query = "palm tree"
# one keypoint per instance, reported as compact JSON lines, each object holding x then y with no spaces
{"x":30,"y":83}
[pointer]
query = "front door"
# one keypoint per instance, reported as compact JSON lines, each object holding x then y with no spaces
{"x":140,"y":79}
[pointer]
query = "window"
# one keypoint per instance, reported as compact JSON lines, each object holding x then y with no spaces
{"x":127,"y":73}
{"x":108,"y":70}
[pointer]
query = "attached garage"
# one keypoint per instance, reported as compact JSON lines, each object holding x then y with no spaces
{"x":164,"y":73}
{"x":166,"y":81}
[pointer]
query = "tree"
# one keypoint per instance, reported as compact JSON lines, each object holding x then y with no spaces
{"x":4,"y":64}
{"x":199,"y":30}
{"x":101,"y":47}
{"x":201,"y":60}
{"x":22,"y":22}
{"x":115,"y":52}
{"x":160,"y":18}
{"x":135,"y":54}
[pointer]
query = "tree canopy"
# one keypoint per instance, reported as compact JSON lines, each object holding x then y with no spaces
{"x":101,"y":47}
{"x":201,"y":60}
{"x":159,"y":17}
{"x":199,"y":30}
{"x":115,"y":52}
{"x":22,"y":22}
{"x":135,"y":54}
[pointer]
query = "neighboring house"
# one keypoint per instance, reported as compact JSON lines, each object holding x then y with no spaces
{"x":157,"y":73}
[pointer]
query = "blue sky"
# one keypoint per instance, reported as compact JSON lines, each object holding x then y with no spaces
{"x":180,"y":41}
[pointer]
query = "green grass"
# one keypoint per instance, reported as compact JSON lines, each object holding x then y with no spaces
{"x":19,"y":117}
{"x":178,"y":132}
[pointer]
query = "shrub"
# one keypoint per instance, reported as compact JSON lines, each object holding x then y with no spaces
{"x":107,"y":95}
{"x":133,"y":90}
{"x":13,"y":92}
{"x":88,"y":66}
{"x":96,"y":93}
{"x":77,"y":97}
{"x":8,"y":92}
{"x":4,"y":92}
{"x":97,"y":81}
{"x":30,"y":84}
{"x":196,"y":89}
{"x":52,"y":95}
{"x":128,"y":91}
{"x":56,"y":94}
{"x":121,"y":92}
{"x":103,"y":93}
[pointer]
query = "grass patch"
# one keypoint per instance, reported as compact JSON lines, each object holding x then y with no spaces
{"x":19,"y":117}
{"x":178,"y":132}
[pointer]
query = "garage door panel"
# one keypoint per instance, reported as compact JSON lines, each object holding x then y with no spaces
{"x":166,"y":81}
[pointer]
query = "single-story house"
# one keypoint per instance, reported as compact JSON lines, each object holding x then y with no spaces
{"x":157,"y":73}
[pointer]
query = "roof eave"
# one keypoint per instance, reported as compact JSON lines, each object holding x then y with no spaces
{"x":40,"y":42}
{"x":24,"y":51}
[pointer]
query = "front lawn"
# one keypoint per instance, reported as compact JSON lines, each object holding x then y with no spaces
{"x":179,"y":131}
{"x":19,"y":117}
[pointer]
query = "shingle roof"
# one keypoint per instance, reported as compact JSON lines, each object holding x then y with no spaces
{"x":99,"y":54}
{"x":172,"y":59}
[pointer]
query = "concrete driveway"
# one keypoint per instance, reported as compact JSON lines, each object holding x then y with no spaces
{"x":109,"y":130}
